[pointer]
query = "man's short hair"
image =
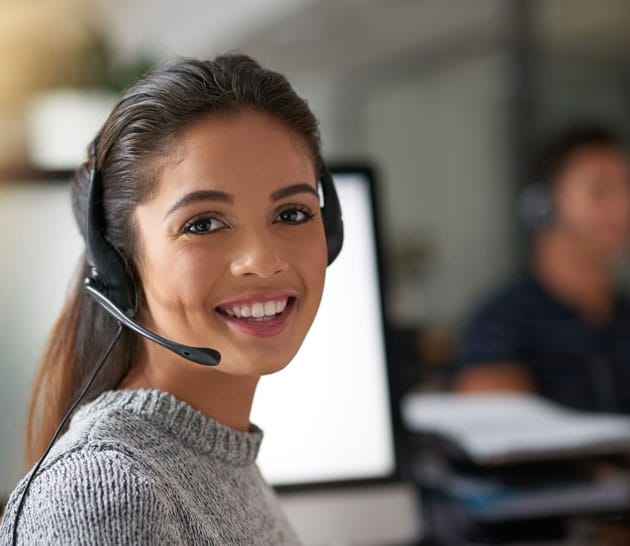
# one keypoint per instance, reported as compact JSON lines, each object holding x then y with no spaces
{"x":559,"y":149}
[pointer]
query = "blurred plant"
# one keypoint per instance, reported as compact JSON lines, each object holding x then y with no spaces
{"x":96,"y":65}
{"x":412,"y":255}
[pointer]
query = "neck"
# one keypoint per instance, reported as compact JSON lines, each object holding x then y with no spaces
{"x":575,"y":275}
{"x":223,"y":397}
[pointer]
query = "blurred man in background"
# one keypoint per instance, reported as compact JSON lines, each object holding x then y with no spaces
{"x":562,"y":329}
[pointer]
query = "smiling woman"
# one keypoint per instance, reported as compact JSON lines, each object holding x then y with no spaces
{"x":209,"y":232}
{"x":234,"y":214}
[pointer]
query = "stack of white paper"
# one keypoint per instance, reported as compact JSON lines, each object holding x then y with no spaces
{"x":505,"y":428}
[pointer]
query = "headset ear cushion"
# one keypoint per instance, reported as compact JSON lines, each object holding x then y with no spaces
{"x":535,"y":205}
{"x":332,"y":216}
{"x":110,"y":271}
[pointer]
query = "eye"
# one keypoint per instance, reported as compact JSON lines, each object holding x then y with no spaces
{"x":294,"y":215}
{"x":204,"y":224}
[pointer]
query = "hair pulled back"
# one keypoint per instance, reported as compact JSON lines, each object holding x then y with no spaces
{"x":130,"y":149}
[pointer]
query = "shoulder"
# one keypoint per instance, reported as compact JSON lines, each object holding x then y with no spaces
{"x":623,"y":302}
{"x":513,"y":303}
{"x":498,"y":327}
{"x":89,"y":496}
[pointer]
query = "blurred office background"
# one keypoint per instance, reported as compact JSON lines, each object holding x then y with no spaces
{"x":445,"y":98}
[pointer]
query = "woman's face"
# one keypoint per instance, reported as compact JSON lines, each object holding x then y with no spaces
{"x":233,"y":250}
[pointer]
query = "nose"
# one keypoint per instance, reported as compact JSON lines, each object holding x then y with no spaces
{"x":258,"y":253}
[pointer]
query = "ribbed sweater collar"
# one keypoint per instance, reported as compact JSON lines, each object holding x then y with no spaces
{"x":203,"y":435}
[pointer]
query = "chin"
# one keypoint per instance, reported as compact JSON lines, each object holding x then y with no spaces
{"x":273,"y":365}
{"x":254,"y":366}
{"x":612,"y":251}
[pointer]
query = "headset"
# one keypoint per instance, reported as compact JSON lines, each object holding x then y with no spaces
{"x":110,"y":281}
{"x":536,"y":206}
{"x":111,"y":284}
{"x":537,"y":202}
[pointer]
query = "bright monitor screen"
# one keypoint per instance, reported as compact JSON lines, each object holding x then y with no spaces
{"x":327,"y":416}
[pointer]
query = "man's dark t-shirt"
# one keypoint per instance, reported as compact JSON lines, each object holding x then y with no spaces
{"x":571,"y":361}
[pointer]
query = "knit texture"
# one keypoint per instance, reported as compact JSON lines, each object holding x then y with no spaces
{"x":139,"y":467}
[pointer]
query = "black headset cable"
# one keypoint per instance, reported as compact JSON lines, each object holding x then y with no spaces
{"x":60,"y":428}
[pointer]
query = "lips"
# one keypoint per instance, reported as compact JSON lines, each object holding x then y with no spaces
{"x":260,"y":315}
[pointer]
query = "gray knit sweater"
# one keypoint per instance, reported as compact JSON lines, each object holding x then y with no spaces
{"x":140,"y":467}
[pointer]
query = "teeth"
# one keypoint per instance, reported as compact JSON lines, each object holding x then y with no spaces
{"x":258,"y":310}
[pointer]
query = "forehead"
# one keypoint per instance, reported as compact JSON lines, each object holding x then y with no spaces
{"x":595,"y":165}
{"x":596,"y":157}
{"x":243,"y":153}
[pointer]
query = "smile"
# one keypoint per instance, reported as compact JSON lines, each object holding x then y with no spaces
{"x":258,"y":310}
{"x":259,"y":317}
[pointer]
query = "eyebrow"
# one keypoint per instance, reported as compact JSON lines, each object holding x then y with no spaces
{"x":211,"y":195}
{"x":293,"y":190}
{"x":202,"y":195}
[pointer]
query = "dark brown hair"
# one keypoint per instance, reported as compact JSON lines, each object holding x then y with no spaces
{"x":562,"y":146}
{"x":140,"y":131}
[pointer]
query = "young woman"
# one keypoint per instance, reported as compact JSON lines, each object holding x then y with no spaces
{"x":209,"y":176}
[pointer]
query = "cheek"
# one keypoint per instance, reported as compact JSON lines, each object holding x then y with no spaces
{"x":313,"y":258}
{"x":178,"y":278}
{"x":578,"y":210}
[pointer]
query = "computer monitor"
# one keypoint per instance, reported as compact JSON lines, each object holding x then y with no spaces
{"x":329,"y":439}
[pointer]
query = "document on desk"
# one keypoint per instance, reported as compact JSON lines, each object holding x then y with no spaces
{"x":499,"y":429}
{"x":490,"y":500}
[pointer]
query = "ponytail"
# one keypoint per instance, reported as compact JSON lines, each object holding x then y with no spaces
{"x":78,"y":339}
{"x":54,"y":381}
